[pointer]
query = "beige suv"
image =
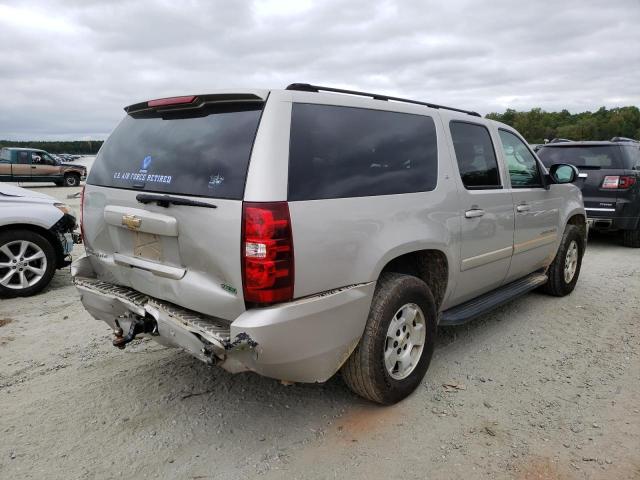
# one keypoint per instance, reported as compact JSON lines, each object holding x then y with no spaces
{"x":300,"y":232}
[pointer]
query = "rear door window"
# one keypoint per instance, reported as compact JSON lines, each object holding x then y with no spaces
{"x":587,"y":157}
{"x":475,"y":155}
{"x":24,"y":157}
{"x":338,"y":152}
{"x":204,"y":152}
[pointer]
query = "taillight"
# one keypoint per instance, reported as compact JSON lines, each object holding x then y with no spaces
{"x":267,"y":252}
{"x":626,"y":182}
{"x":82,"y":213}
{"x":618,"y":182}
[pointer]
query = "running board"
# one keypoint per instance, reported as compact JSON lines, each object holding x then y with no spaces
{"x":473,"y":308}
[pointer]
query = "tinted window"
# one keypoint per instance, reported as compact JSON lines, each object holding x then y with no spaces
{"x":353,"y":152}
{"x":475,"y":155}
{"x":596,"y":156}
{"x":633,"y":157}
{"x":204,"y":152}
{"x":24,"y":157}
{"x":5,"y":155}
{"x":523,"y":166}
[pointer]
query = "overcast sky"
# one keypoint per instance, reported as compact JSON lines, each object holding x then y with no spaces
{"x":67,"y":68}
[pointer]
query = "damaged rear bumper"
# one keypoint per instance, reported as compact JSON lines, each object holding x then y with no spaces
{"x":307,"y":340}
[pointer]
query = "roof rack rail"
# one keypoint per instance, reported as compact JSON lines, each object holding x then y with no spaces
{"x":306,"y":87}
{"x":624,"y":139}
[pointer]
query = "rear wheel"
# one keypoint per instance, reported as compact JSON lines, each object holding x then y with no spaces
{"x":565,"y":268}
{"x":631,"y":238}
{"x":27,"y":263}
{"x":71,"y":180}
{"x":396,"y":347}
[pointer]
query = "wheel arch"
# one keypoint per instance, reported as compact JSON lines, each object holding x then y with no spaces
{"x":430,"y":265}
{"x":579,"y":220}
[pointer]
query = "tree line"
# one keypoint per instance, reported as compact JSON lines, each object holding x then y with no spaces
{"x":58,"y":146}
{"x":536,"y":125}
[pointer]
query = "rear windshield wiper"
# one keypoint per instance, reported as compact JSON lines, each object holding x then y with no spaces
{"x":166,"y":200}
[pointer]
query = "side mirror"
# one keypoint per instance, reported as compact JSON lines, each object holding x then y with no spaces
{"x":563,"y":173}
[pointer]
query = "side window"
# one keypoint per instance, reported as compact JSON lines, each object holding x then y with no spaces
{"x":47,"y":159}
{"x":523,"y":167}
{"x":5,"y":155}
{"x":24,"y":157}
{"x":340,"y":152}
{"x":475,"y":155}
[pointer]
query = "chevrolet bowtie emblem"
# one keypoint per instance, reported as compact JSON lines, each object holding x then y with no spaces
{"x":131,"y":222}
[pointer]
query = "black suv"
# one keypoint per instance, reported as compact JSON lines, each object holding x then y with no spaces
{"x":610,"y":181}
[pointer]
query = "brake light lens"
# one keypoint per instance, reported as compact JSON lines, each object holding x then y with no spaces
{"x":618,"y":182}
{"x":171,"y":101}
{"x":626,"y":182}
{"x":267,"y":252}
{"x":82,"y":213}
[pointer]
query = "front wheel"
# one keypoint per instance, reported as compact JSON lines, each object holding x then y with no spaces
{"x":27,"y":263}
{"x":396,"y":347}
{"x":564,"y":270}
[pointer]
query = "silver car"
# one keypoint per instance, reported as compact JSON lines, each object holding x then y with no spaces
{"x":299,"y":232}
{"x":36,"y":238}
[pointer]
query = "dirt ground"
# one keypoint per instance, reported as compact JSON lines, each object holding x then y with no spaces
{"x":543,"y":388}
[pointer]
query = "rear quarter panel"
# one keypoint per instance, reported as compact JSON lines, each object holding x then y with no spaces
{"x":345,"y":241}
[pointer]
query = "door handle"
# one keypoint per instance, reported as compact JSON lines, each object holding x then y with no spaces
{"x":33,"y":166}
{"x":474,"y":213}
{"x":523,"y":208}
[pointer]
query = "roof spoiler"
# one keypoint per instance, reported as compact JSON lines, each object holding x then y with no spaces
{"x":192,"y":101}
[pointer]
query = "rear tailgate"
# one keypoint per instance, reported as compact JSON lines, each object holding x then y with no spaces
{"x":594,"y":164}
{"x":185,"y":250}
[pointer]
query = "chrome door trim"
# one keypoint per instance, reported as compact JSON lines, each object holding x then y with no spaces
{"x":534,"y":243}
{"x":478,"y":260}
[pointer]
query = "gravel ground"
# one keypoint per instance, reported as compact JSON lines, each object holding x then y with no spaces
{"x":542,"y":388}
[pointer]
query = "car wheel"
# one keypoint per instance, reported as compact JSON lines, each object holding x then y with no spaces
{"x":396,"y":347}
{"x":564,"y":270}
{"x":59,"y":183}
{"x":71,"y":180}
{"x":631,"y":238}
{"x":27,"y":263}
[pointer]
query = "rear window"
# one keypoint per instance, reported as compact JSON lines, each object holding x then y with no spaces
{"x":597,"y":156}
{"x":339,"y":152}
{"x":632,"y":156}
{"x":204,"y":152}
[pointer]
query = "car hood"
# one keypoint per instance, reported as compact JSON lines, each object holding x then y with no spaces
{"x":13,"y":191}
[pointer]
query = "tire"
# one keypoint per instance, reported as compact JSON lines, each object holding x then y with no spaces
{"x":12,"y":284}
{"x":59,"y":183}
{"x":366,"y":372}
{"x":558,"y":284}
{"x":631,"y":238}
{"x":71,"y":180}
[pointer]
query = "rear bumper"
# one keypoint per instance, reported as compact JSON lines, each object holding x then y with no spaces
{"x":600,"y":222}
{"x":306,"y":340}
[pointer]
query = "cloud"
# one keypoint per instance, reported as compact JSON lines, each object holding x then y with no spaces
{"x":69,"y":67}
